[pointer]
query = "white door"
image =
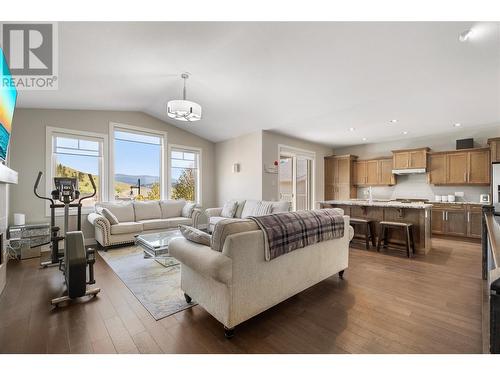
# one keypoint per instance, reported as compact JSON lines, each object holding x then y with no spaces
{"x":295,"y":181}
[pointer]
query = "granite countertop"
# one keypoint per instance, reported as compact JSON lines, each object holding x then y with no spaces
{"x":378,"y":203}
{"x":459,"y":202}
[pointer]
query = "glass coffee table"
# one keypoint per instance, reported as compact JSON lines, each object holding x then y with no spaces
{"x":155,"y":246}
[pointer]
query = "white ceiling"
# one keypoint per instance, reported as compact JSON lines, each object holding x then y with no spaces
{"x":308,"y":80}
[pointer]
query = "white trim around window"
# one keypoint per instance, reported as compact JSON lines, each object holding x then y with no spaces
{"x":199,"y":196}
{"x":140,"y":130}
{"x":50,"y":132}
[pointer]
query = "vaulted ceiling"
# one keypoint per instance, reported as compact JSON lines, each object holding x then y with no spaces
{"x":309,"y":80}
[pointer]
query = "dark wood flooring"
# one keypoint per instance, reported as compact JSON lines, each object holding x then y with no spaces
{"x":386,"y":304}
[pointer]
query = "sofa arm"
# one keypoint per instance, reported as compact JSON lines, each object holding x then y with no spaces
{"x":211,"y":212}
{"x":202,"y":259}
{"x":196,"y":216}
{"x":102,"y":226}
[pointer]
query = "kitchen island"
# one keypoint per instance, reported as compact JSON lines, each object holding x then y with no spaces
{"x":416,"y":213}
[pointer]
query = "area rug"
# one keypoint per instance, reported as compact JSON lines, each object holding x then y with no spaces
{"x":156,"y":287}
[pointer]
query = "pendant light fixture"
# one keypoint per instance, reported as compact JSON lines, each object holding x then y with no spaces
{"x":184,"y":110}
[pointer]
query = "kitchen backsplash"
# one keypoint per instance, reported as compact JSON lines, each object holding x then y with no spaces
{"x":416,"y":186}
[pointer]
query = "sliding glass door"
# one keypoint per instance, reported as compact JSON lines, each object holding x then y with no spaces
{"x":295,"y":180}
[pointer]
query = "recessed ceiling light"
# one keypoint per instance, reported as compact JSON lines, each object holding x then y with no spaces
{"x":405,"y":132}
{"x":393,"y":121}
{"x":351,"y":129}
{"x":364,"y":138}
{"x":464,"y":36}
{"x":457,"y":125}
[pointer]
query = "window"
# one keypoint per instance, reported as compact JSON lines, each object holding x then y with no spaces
{"x":138,"y":164}
{"x":76,"y":154}
{"x":185,"y":173}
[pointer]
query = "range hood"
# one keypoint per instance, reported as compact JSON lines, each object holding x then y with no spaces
{"x":409,"y":171}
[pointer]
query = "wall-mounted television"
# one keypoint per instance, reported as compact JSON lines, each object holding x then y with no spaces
{"x":8,"y":97}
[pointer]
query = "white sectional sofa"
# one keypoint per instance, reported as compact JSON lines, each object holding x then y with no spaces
{"x":140,"y":217}
{"x":234,"y":282}
{"x":245,"y":208}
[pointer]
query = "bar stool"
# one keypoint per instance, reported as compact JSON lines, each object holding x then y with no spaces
{"x":367,"y":223}
{"x":407,"y":234}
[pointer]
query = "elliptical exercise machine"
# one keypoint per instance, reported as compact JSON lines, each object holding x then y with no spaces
{"x":75,"y":259}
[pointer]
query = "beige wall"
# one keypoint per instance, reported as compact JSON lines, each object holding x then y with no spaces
{"x":27,"y":152}
{"x":246,"y":184}
{"x":416,"y":186}
{"x":270,"y":143}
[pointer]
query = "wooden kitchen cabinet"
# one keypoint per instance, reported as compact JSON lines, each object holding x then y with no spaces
{"x":474,"y":221}
{"x":360,"y":172}
{"x":456,"y":224}
{"x":494,"y":144}
{"x":456,"y":168}
{"x":462,"y":167}
{"x":372,"y":172}
{"x":438,"y":221}
{"x":375,"y":172}
{"x":462,"y":220}
{"x":339,"y":177}
{"x":478,"y":167}
{"x":410,"y":159}
{"x":386,"y":176}
{"x":437,"y":169}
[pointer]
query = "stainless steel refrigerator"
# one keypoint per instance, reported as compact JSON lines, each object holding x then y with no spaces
{"x":495,"y":167}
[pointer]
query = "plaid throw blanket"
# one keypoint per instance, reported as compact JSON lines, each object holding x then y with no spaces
{"x":288,"y":231}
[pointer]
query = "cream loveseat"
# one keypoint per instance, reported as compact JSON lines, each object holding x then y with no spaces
{"x":140,"y":217}
{"x":232,"y":280}
{"x":244,"y":209}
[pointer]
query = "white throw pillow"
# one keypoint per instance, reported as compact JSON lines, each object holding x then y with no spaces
{"x":187,"y":210}
{"x":263,"y":208}
{"x":249,"y":208}
{"x":109,"y":215}
{"x":229,"y":209}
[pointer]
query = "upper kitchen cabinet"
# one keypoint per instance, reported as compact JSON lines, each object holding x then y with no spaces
{"x":375,"y":172}
{"x":410,"y":159}
{"x":494,"y":144}
{"x":339,"y":177}
{"x":437,"y":169}
{"x":460,"y":167}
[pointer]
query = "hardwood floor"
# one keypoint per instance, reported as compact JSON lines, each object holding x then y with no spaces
{"x":386,"y":304}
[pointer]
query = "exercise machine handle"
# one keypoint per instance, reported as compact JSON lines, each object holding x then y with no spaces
{"x":35,"y":188}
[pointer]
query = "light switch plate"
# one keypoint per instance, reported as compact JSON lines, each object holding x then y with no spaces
{"x":459,"y":194}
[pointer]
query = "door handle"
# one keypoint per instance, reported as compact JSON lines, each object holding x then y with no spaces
{"x":468,"y":217}
{"x":465,"y":176}
{"x":443,"y":216}
{"x":446,"y":215}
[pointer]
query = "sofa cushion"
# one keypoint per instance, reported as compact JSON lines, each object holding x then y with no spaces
{"x":249,"y":208}
{"x":227,"y":227}
{"x":147,"y":210}
{"x":215,"y":219}
{"x":124,"y":211}
{"x":187,"y":210}
{"x":195,"y":235}
{"x":263,"y":208}
{"x":109,"y":215}
{"x":152,"y":224}
{"x":281,"y":206}
{"x":126,"y":227}
{"x":239,"y":209}
{"x":171,"y":208}
{"x":229,"y":209}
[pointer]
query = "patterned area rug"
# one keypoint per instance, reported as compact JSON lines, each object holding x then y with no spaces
{"x":155,"y":286}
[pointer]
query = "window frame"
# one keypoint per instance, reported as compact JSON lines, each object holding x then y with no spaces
{"x":164,"y":192}
{"x":182,"y":148}
{"x":50,"y":133}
